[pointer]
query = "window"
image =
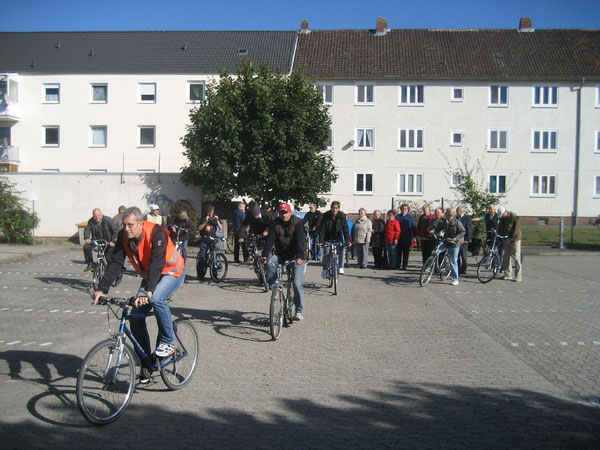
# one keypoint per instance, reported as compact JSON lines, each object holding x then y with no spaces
{"x":543,"y":185}
{"x":327,"y":91}
{"x":98,"y":170}
{"x":544,"y":140}
{"x":51,"y":93}
{"x":597,"y":186}
{"x":457,"y":94}
{"x":499,"y":95}
{"x":147,"y":136}
{"x":364,"y":183}
{"x":146,"y":170}
{"x":597,"y":96}
{"x":497,"y":184}
{"x":365,"y":138}
{"x":545,"y":96}
{"x":98,"y":134}
{"x":365,"y":94}
{"x":411,"y":95}
{"x":455,"y":181}
{"x":196,"y":91}
{"x":146,"y":92}
{"x":598,"y":141}
{"x":51,"y":136}
{"x":410,"y":139}
{"x":410,"y":183}
{"x":330,"y":139}
{"x":498,"y":140}
{"x":456,"y":138}
{"x":99,"y":93}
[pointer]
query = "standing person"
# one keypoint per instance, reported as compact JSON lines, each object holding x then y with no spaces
{"x":312,"y":219}
{"x":153,"y":256}
{"x":455,"y":231}
{"x":408,"y":225}
{"x":392,"y":234}
{"x":154,"y":216}
{"x":510,"y":226}
{"x":118,"y":219}
{"x":98,"y":227}
{"x":349,"y":252}
{"x":208,"y":232}
{"x":363,"y":228}
{"x":467,"y":223}
{"x":423,"y":232}
{"x":236,"y":225}
{"x":286,"y":235}
{"x":182,"y":221}
{"x":378,"y":238}
{"x":334,"y":228}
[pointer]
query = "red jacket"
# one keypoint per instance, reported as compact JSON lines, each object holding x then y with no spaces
{"x":392,"y":231}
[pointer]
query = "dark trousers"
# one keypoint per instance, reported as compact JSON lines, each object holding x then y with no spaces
{"x":378,"y":257}
{"x":87,"y":253}
{"x":236,"y":248}
{"x":462,"y":258}
{"x":403,"y":251}
{"x":426,"y":248}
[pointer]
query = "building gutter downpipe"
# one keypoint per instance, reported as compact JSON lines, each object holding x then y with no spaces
{"x":575,"y":213}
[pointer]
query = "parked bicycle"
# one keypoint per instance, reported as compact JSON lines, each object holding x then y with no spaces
{"x":332,"y":249}
{"x":215,"y":261}
{"x":106,"y":379}
{"x":438,"y":262}
{"x":491,"y":263}
{"x":283,"y":306}
{"x":257,"y":262}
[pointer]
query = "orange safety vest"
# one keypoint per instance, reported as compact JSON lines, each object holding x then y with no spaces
{"x":174,"y":262}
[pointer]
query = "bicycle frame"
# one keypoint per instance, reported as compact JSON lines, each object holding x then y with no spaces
{"x":100,"y":246}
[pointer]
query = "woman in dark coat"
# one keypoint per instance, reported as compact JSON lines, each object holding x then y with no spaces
{"x":377,"y":238}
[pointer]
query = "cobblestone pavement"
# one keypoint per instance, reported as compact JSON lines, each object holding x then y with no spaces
{"x":384,"y":364}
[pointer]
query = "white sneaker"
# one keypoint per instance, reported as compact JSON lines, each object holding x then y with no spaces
{"x":298,"y":316}
{"x":341,"y":271}
{"x":324,"y":274}
{"x":163,"y":350}
{"x":455,"y":283}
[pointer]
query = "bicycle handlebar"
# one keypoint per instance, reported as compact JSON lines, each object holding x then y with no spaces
{"x":100,"y":242}
{"x":121,"y":302}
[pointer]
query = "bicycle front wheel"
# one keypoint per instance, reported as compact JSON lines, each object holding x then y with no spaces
{"x":427,"y":270}
{"x":445,"y":268}
{"x":276,"y":313}
{"x":218,"y":268}
{"x":335,"y":277}
{"x":290,"y":303}
{"x":105,"y":382}
{"x":177,"y":370}
{"x":488,"y":267}
{"x":98,"y":274}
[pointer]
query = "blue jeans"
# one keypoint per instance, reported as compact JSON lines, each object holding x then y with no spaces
{"x":392,"y":256}
{"x":453,"y":255}
{"x":315,"y":250}
{"x":167,"y":285}
{"x":272,"y":263}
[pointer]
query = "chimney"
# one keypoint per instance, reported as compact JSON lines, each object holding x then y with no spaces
{"x":304,"y":27}
{"x":382,"y":26}
{"x":525,"y":25}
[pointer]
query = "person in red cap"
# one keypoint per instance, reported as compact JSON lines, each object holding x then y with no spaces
{"x":286,"y":235}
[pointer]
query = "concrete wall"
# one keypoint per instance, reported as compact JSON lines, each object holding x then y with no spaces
{"x":64,"y":200}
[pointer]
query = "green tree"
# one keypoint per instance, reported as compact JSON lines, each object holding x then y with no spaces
{"x":260,"y":135}
{"x":16,"y":221}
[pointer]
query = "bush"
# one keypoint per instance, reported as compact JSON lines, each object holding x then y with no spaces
{"x":16,"y":221}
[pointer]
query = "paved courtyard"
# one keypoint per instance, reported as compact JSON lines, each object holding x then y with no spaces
{"x":384,"y":364}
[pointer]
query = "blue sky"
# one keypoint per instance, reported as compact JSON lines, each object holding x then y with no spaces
{"x":88,"y":15}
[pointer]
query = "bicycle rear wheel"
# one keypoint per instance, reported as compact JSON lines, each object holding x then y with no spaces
{"x":201,"y":267}
{"x":98,"y":273}
{"x":230,"y":242}
{"x":427,"y":270}
{"x":276,"y":313}
{"x":105,"y":382}
{"x":218,"y":268}
{"x":180,"y":366}
{"x":262,"y":276}
{"x":445,"y":268}
{"x":488,"y":267}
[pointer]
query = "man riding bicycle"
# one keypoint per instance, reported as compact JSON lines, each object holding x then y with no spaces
{"x":153,"y":255}
{"x":98,"y":227}
{"x":334,"y":228}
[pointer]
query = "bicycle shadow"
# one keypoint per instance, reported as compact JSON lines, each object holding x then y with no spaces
{"x":80,"y":285}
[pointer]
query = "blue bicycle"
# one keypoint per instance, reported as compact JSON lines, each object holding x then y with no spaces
{"x":106,"y":379}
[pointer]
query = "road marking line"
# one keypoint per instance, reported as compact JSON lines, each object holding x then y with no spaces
{"x":547,"y":344}
{"x":552,"y":310}
{"x":45,"y":344}
{"x":55,"y":310}
{"x":526,"y":310}
{"x":67,"y":311}
{"x":500,"y":311}
{"x":27,"y":310}
{"x":17,"y":309}
{"x":92,"y":312}
{"x":596,"y":342}
{"x":531,"y":344}
{"x":105,"y":312}
{"x":580,"y":343}
{"x":25,"y":287}
{"x":28,"y":343}
{"x":4,"y":309}
{"x":12,"y":343}
{"x":564,"y":344}
{"x":79,"y":312}
{"x":514,"y":344}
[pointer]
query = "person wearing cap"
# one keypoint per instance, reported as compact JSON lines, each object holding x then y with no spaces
{"x":509,"y":225}
{"x":286,"y":236}
{"x":118,"y":219}
{"x":154,"y":215}
{"x":256,"y":224}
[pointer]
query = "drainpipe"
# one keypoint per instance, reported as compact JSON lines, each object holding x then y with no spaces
{"x":575,"y":212}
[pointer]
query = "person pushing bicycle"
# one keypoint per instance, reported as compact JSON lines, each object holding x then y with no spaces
{"x":153,"y":255}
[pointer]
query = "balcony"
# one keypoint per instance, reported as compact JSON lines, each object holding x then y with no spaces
{"x":9,"y":159}
{"x":9,"y":98}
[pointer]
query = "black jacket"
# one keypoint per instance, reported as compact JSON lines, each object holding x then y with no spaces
{"x":468,"y":224}
{"x":377,"y":236}
{"x":287,"y":237}
{"x":334,"y":228}
{"x":254,"y":225}
{"x":313,"y":220}
{"x":104,"y":230}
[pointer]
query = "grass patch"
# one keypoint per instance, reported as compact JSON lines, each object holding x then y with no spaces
{"x":587,"y":238}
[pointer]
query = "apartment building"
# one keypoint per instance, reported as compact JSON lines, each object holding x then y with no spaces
{"x":95,"y":119}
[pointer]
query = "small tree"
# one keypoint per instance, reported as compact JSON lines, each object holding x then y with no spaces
{"x":16,"y":221}
{"x":260,"y":135}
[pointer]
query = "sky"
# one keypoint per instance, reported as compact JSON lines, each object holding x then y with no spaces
{"x":158,"y":15}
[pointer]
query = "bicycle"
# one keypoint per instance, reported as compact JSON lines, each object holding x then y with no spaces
{"x":491,"y":263}
{"x":332,"y":249}
{"x":178,"y":242}
{"x":438,"y":262}
{"x":100,"y":246}
{"x":257,"y":263}
{"x":106,"y":379}
{"x":230,"y":242}
{"x":215,"y":260}
{"x":283,"y":306}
